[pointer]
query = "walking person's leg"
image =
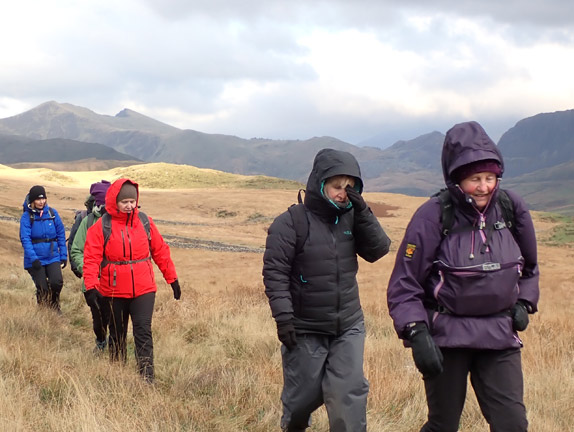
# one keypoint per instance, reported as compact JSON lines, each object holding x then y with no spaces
{"x":41,"y":282}
{"x":303,"y":373}
{"x":497,"y":380}
{"x":55,"y":282}
{"x":345,"y":387}
{"x":446,"y":392}
{"x":119,"y":316}
{"x":141,"y":311}
{"x":100,"y":319}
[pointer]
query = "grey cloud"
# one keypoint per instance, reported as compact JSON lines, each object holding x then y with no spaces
{"x":550,"y":13}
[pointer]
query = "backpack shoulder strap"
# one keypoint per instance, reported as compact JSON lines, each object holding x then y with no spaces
{"x":106,"y":228}
{"x":32,"y":217}
{"x":91,"y":219}
{"x":446,"y":210}
{"x":145,"y":221}
{"x":301,"y":224}
{"x":507,"y":207}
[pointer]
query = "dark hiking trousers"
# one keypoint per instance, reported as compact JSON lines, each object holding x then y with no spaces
{"x":100,"y":318}
{"x":325,"y":369}
{"x":496,"y":377}
{"x":49,"y":282}
{"x":140,"y":309}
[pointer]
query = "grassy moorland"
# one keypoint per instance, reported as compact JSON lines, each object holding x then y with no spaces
{"x":216,"y":353}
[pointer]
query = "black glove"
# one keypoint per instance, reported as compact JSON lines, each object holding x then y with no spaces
{"x":519,"y":316}
{"x":77,"y":272}
{"x":427,"y":356}
{"x":356,"y":198}
{"x":176,"y":289}
{"x":92,"y":297}
{"x":64,"y":262}
{"x":36,"y":264}
{"x":286,"y":334}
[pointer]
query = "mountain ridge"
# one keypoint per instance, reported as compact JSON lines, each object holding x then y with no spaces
{"x":408,"y":166}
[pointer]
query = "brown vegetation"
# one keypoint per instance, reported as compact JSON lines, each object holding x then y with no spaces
{"x":217,"y":356}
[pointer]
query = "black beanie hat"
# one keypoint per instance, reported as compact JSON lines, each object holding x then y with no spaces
{"x":36,"y":192}
{"x":128,"y":190}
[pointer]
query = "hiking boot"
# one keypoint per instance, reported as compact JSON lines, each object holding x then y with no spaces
{"x":100,"y":347}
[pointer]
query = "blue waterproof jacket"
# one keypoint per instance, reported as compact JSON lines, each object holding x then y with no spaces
{"x":45,"y":238}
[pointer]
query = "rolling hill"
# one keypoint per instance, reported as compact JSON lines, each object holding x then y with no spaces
{"x":541,"y":142}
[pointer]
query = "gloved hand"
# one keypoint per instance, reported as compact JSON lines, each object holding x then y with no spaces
{"x":176,"y":289}
{"x":77,"y":272}
{"x":36,"y":264}
{"x":355,"y":197}
{"x":427,"y":356}
{"x":64,"y":262}
{"x":92,"y":297}
{"x":519,"y":316}
{"x":286,"y":334}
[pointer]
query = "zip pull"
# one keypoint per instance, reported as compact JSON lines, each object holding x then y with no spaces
{"x":482,"y":222}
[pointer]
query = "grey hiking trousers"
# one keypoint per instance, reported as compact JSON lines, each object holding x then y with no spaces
{"x":326,"y":369}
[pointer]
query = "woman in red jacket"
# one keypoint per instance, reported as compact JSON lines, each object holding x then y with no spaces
{"x":119,"y":268}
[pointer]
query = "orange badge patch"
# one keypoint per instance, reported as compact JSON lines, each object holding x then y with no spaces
{"x":411,"y":248}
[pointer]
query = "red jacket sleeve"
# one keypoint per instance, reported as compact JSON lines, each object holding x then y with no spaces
{"x":161,"y":254}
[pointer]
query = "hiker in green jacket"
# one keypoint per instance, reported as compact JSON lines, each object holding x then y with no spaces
{"x":100,"y":310}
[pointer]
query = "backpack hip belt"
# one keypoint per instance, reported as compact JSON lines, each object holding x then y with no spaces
{"x":106,"y":262}
{"x":51,"y":240}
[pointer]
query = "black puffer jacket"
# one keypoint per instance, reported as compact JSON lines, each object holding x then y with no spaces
{"x":317,"y":289}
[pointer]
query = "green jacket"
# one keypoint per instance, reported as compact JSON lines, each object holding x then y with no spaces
{"x":77,"y":249}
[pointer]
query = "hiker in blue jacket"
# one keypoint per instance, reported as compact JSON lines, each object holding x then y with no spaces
{"x":43,"y":238}
{"x":314,"y":295}
{"x":459,"y":297}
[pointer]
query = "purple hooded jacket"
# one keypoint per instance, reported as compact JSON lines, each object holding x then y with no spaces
{"x":460,"y":287}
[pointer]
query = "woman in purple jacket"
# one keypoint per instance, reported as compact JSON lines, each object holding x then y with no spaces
{"x":458,"y":298}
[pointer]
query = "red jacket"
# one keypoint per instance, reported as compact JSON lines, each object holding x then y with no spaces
{"x":128,"y":241}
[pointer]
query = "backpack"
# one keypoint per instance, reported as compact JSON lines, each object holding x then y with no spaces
{"x":447,"y":211}
{"x":300,"y":222}
{"x":79,"y":216}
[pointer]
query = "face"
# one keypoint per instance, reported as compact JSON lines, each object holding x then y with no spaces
{"x":479,"y":186}
{"x":334,"y":188}
{"x":39,"y":203}
{"x":127,"y":205}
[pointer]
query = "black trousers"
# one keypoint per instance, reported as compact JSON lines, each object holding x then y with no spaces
{"x":100,"y":318}
{"x":49,"y":282}
{"x":140,"y":309}
{"x":496,"y":377}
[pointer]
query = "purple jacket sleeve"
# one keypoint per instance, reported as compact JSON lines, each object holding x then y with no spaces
{"x":526,"y":239}
{"x":413,"y":263}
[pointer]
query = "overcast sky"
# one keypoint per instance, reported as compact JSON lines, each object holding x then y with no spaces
{"x":351,"y":69}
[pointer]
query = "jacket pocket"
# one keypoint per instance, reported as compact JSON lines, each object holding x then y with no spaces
{"x":480,"y":290}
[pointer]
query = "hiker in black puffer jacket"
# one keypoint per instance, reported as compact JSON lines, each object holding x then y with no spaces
{"x":314,"y":295}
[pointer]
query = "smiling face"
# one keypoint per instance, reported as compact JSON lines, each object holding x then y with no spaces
{"x":39,"y":203}
{"x":479,"y":186}
{"x":334,"y":188}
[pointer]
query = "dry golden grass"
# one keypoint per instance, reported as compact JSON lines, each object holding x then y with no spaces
{"x":217,"y":356}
